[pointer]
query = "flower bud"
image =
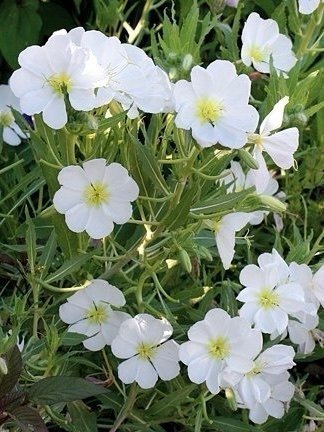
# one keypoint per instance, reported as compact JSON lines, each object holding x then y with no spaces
{"x":185,"y":260}
{"x":187,"y":62}
{"x":273,"y":203}
{"x":231,"y":400}
{"x":3,"y":366}
{"x":248,"y":159}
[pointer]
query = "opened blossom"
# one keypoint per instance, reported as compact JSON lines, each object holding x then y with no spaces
{"x":313,"y":284}
{"x":269,"y":297}
{"x":51,"y":73}
{"x":89,"y":312}
{"x":143,"y":342}
{"x":280,"y":145}
{"x":214,"y":105}
{"x":216,"y":343}
{"x":94,"y":197}
{"x":262,"y":41}
{"x":11,"y":132}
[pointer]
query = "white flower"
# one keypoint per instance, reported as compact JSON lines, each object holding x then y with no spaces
{"x":255,"y":386}
{"x":282,"y":392}
{"x":225,"y":230}
{"x":131,"y":77}
{"x":301,"y":331}
{"x":142,"y":340}
{"x":214,"y":105}
{"x":306,"y":7}
{"x":261,"y":40}
{"x":52,"y":72}
{"x":11,"y":132}
{"x":260,"y":178}
{"x":216,"y":343}
{"x":144,"y":86}
{"x":95,"y":196}
{"x":281,"y":145}
{"x":269,"y":298}
{"x":313,"y":284}
{"x":89,"y":312}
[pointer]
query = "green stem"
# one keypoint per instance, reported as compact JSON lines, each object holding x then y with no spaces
{"x":129,"y":403}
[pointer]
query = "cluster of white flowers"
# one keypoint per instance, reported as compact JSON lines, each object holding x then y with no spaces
{"x":90,"y":69}
{"x":224,"y":352}
{"x":280,"y":146}
{"x":279,"y":297}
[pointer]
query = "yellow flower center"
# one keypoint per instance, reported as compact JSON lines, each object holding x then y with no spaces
{"x":6,"y":118}
{"x":95,"y":194}
{"x":98,"y":314}
{"x":268,"y":299}
{"x":256,"y":53}
{"x":145,"y":351}
{"x":255,"y":139}
{"x":219,"y":348}
{"x":208,"y":110}
{"x":61,"y":83}
{"x":257,"y":368}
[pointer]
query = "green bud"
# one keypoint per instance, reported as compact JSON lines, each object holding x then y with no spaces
{"x":185,"y":260}
{"x":273,"y":203}
{"x":230,"y":396}
{"x":187,"y":62}
{"x":248,"y":159}
{"x":81,"y":123}
{"x":3,"y":366}
{"x":173,"y":74}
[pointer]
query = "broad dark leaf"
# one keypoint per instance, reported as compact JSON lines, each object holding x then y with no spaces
{"x":52,"y":390}
{"x":14,"y":365}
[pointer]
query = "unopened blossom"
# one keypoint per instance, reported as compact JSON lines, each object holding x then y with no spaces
{"x":89,"y":312}
{"x":269,"y":297}
{"x":214,"y":105}
{"x":281,"y":392}
{"x":94,"y":197}
{"x":143,"y":342}
{"x":51,"y":73}
{"x":281,"y":145}
{"x":307,"y":7}
{"x":216,"y":343}
{"x":225,"y":230}
{"x":11,"y":132}
{"x":261,"y":41}
{"x":313,"y":284}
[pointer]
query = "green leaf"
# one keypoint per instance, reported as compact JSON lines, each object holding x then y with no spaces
{"x":22,"y":26}
{"x":72,"y":339}
{"x":82,"y":419}
{"x":313,"y":409}
{"x":230,"y":425}
{"x":179,"y":214}
{"x":31,"y":244}
{"x":170,"y":401}
{"x":47,"y":256}
{"x":110,"y":122}
{"x":27,"y":419}
{"x":69,"y":267}
{"x":14,"y":366}
{"x":147,"y":165}
{"x":224,"y":203}
{"x":51,"y":390}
